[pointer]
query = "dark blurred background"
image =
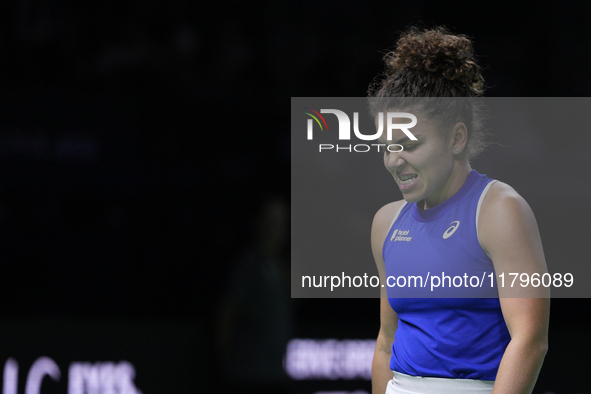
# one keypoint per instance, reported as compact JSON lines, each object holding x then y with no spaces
{"x":141,"y":142}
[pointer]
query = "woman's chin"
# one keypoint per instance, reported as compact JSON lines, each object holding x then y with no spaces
{"x":412,"y":197}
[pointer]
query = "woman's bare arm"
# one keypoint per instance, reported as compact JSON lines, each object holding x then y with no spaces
{"x":381,"y":372}
{"x":508,"y":232}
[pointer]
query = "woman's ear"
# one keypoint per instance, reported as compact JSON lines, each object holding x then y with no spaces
{"x":459,"y":138}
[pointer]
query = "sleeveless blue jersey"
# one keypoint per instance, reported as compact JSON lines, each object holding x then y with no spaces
{"x":447,"y":337}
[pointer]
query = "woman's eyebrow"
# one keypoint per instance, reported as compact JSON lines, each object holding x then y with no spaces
{"x":405,"y":138}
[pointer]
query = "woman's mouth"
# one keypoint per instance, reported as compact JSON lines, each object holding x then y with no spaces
{"x":407,"y":181}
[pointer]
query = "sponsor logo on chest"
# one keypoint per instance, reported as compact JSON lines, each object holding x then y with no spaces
{"x":400,"y":235}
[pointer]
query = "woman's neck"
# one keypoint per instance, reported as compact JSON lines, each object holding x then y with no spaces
{"x":454,"y":183}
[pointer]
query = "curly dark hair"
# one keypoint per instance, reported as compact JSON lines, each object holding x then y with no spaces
{"x":441,"y":69}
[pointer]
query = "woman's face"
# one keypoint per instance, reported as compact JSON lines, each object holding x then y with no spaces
{"x":423,"y":169}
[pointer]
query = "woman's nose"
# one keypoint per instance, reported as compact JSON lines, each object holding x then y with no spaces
{"x":394,"y":161}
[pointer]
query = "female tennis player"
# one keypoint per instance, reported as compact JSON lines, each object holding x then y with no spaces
{"x":452,"y":220}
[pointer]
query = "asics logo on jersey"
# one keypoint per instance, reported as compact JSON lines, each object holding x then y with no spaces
{"x":450,"y":231}
{"x":400,"y":235}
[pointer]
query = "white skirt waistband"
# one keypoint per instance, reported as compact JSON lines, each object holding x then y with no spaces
{"x":406,"y":384}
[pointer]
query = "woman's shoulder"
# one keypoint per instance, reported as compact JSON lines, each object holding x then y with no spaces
{"x":504,"y":211}
{"x":384,"y":217}
{"x":382,"y":221}
{"x":501,"y":196}
{"x":509,"y":234}
{"x":388,"y":211}
{"x":502,"y":201}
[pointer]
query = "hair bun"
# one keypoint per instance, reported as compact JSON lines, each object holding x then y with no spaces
{"x":432,"y":64}
{"x":440,"y":54}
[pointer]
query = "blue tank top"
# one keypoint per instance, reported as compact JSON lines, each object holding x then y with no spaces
{"x":447,"y":337}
